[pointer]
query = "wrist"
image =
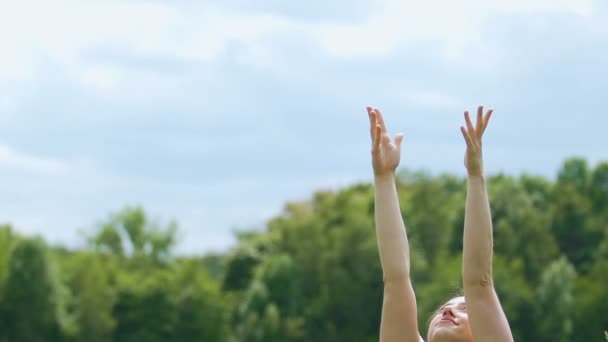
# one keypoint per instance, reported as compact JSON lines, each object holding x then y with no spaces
{"x":476,"y":177}
{"x":384,"y":177}
{"x":474,"y":171}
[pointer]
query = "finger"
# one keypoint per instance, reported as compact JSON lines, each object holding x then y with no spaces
{"x":380,"y":119}
{"x":373,"y":119}
{"x":486,"y":119}
{"x":398,"y":138}
{"x":465,"y":134}
{"x":377,"y":135}
{"x":470,"y":128}
{"x":479,"y":123}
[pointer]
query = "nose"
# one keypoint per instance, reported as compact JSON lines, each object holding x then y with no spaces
{"x":448,"y":311}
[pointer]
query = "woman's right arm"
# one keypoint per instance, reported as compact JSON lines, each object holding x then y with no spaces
{"x":399,"y":314}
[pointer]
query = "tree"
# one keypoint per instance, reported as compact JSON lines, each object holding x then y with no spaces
{"x":575,"y":172}
{"x":591,"y":296}
{"x":522,"y":223}
{"x":93,"y":298}
{"x":599,"y":189}
{"x":430,"y":207}
{"x":555,"y":303}
{"x":7,"y":241}
{"x":240,"y":266}
{"x":33,"y":299}
{"x":203,"y":311}
{"x":573,"y":227}
{"x":130,"y":232}
{"x":144,"y":308}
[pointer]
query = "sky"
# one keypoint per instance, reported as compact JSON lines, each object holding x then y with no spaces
{"x":217,"y":113}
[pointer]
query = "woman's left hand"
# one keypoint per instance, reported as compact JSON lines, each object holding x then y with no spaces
{"x":473,"y":159}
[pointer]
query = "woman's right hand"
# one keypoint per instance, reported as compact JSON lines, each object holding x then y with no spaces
{"x":386,"y":153}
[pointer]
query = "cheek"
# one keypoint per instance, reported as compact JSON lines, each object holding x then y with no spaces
{"x":433,"y":322}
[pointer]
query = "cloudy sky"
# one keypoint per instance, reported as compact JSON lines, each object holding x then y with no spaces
{"x":216,"y":113}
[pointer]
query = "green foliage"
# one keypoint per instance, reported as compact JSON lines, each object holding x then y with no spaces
{"x":314,"y":261}
{"x":314,"y":273}
{"x":144,"y":310}
{"x":516,"y":295}
{"x":330,"y":243}
{"x":240,"y":267}
{"x":202,"y":309}
{"x":32,"y":301}
{"x":92,"y":296}
{"x":591,"y":296}
{"x":146,"y":240}
{"x":7,"y":241}
{"x":555,"y":295}
{"x":522,"y":222}
{"x":430,"y":207}
{"x":577,"y":228}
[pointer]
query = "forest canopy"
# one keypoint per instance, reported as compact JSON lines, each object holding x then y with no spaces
{"x":313,"y":272}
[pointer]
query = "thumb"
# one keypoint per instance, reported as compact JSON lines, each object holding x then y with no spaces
{"x":398,"y":139}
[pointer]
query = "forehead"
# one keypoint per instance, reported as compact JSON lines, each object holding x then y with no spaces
{"x":455,"y":301}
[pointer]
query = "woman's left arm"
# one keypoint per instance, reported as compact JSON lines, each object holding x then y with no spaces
{"x":487,"y":318}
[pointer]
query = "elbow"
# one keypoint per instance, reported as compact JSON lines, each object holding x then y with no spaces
{"x":477,"y":274}
{"x":477,"y":280}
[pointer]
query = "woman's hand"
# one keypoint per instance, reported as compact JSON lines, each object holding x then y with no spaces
{"x":385,"y":153}
{"x":473,"y":159}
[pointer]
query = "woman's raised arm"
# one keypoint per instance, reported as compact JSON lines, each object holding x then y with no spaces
{"x":399,"y":313}
{"x":486,"y":316}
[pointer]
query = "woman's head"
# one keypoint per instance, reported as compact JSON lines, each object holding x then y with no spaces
{"x":450,"y":322}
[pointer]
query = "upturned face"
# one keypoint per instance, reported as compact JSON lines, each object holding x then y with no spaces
{"x":451,"y":322}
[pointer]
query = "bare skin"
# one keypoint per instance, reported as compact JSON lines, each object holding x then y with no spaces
{"x":399,"y":315}
{"x":451,"y":322}
{"x":481,"y":317}
{"x":487,"y":318}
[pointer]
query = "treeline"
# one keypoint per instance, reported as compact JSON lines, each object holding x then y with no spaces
{"x":313,"y":273}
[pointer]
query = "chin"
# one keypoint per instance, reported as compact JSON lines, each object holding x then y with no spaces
{"x":447,"y":334}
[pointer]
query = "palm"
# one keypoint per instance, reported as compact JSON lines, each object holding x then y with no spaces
{"x":386,"y":154}
{"x":473,"y":159}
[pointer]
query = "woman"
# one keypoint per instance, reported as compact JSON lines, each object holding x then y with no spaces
{"x":476,"y":316}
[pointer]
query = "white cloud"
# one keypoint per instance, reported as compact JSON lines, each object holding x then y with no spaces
{"x":577,"y":7}
{"x":431,"y":99}
{"x":457,"y":27}
{"x":68,"y":36}
{"x":114,"y":82}
{"x":101,"y":77}
{"x":22,"y":161}
{"x":64,"y":31}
